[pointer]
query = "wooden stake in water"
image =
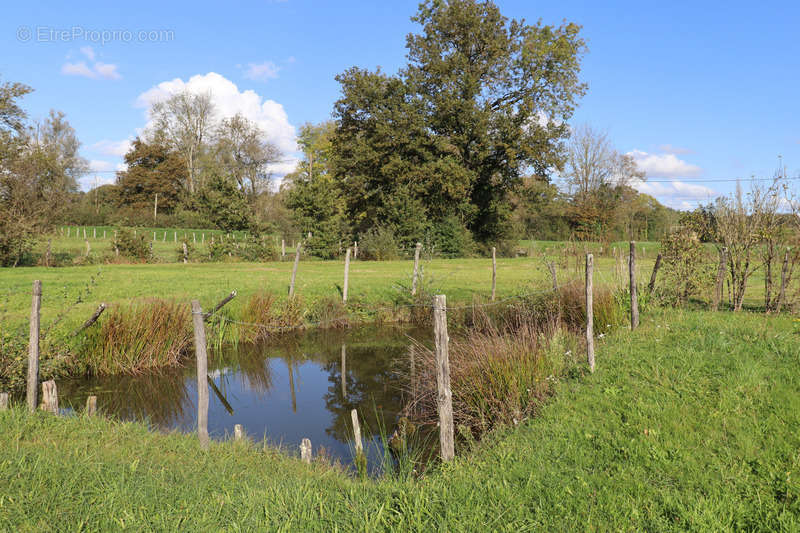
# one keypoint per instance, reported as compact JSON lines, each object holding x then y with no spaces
{"x":202,"y":373}
{"x":589,"y":312}
{"x":344,"y":372}
{"x":634,"y":295}
{"x":294,"y":269}
{"x":346,"y":276}
{"x":444,"y":399}
{"x":91,"y":405}
{"x":359,"y":445}
{"x":494,"y":271}
{"x":415,"y":276}
{"x":50,"y":397}
{"x":33,"y":348}
{"x":305,"y":451}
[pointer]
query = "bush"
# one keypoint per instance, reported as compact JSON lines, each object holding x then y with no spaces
{"x":132,"y":245}
{"x":379,"y":244}
{"x":449,"y":238}
{"x":685,"y":274}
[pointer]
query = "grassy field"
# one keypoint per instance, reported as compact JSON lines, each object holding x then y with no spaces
{"x":692,"y":423}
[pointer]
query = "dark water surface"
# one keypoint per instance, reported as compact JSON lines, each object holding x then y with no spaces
{"x":286,"y":389}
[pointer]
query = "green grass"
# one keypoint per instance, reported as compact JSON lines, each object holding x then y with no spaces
{"x":690,"y":423}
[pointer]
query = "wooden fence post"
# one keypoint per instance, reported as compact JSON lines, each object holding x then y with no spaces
{"x":104,"y":234}
{"x":238,"y":432}
{"x":552,"y":266}
{"x":50,"y":397}
{"x":202,"y":373}
{"x":589,"y":312}
{"x":33,"y":347}
{"x":494,"y":271}
{"x":355,"y":250}
{"x":444,"y":398}
{"x":88,"y":248}
{"x":784,"y":281}
{"x":723,"y":265}
{"x":634,"y":294}
{"x":283,"y":249}
{"x":652,"y":284}
{"x":344,"y":372}
{"x":185,"y":254}
{"x":94,"y":233}
{"x":294,"y":269}
{"x":415,"y":275}
{"x":91,"y":405}
{"x":346,"y":276}
{"x":3,"y":401}
{"x":305,"y":451}
{"x":357,"y":432}
{"x":49,"y":252}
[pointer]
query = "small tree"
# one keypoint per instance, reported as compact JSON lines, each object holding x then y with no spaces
{"x":684,"y":268}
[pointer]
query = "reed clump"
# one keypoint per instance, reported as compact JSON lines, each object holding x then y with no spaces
{"x":262,"y":316}
{"x":142,"y":336}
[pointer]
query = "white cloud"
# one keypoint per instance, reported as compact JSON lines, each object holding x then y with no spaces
{"x":100,"y":166}
{"x":269,"y":115}
{"x":663,"y":165}
{"x":676,"y":193}
{"x":261,"y":71}
{"x":112,"y":148}
{"x":88,"y":51}
{"x":677,"y":150}
{"x":106,"y":71}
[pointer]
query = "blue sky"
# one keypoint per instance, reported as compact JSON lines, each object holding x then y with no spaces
{"x":697,"y":91}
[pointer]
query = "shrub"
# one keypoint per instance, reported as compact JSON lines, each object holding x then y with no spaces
{"x":379,"y":244}
{"x":449,"y":238}
{"x":132,"y":245}
{"x":685,"y":274}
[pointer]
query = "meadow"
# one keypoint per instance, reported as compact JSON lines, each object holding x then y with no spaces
{"x":690,"y":423}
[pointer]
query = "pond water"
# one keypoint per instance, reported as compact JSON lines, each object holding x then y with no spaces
{"x":283,"y":390}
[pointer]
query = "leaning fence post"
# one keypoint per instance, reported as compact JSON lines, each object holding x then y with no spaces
{"x":294,"y":269}
{"x":50,"y":397}
{"x":652,"y":284}
{"x":589,"y":312}
{"x":634,"y":294}
{"x":357,"y":432}
{"x":494,"y":271}
{"x":305,"y":451}
{"x":33,"y":347}
{"x":444,"y":399}
{"x":91,"y":405}
{"x":346,"y":275}
{"x":202,"y":373}
{"x":416,"y":269}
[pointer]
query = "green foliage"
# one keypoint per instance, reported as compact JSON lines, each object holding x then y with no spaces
{"x":152,"y":169}
{"x":221,"y":201}
{"x":132,"y":245}
{"x":449,"y":238}
{"x":379,"y":244}
{"x":686,"y":272}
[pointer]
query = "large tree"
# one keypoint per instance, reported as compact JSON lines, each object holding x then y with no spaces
{"x":152,"y":169}
{"x":245,"y":154}
{"x":482,"y":101}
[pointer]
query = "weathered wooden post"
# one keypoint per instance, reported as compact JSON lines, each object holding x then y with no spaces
{"x":94,"y":233}
{"x":238,"y":433}
{"x":652,"y":285}
{"x":88,"y":248}
{"x":634,"y":294}
{"x":355,"y":250}
{"x":174,"y":236}
{"x":589,"y":312}
{"x":415,"y":276}
{"x":723,"y":265}
{"x":494,"y":271}
{"x":48,"y":254}
{"x":84,"y":233}
{"x":3,"y":401}
{"x":91,"y":405}
{"x":104,"y":234}
{"x":92,"y":319}
{"x":552,"y":267}
{"x":294,"y":269}
{"x":357,"y":432}
{"x":305,"y":451}
{"x":283,"y":249}
{"x":344,"y":372}
{"x":50,"y":397}
{"x":68,"y":229}
{"x":346,"y":276}
{"x":33,"y":347}
{"x":444,"y":398}
{"x":784,"y":281}
{"x":185,"y":254}
{"x":202,"y":373}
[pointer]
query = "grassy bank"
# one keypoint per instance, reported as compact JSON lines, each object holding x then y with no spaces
{"x":690,"y":423}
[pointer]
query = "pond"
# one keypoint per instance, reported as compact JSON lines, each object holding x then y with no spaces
{"x":297,"y":386}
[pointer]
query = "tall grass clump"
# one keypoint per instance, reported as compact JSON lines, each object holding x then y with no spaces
{"x":142,"y":336}
{"x":263,"y":316}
